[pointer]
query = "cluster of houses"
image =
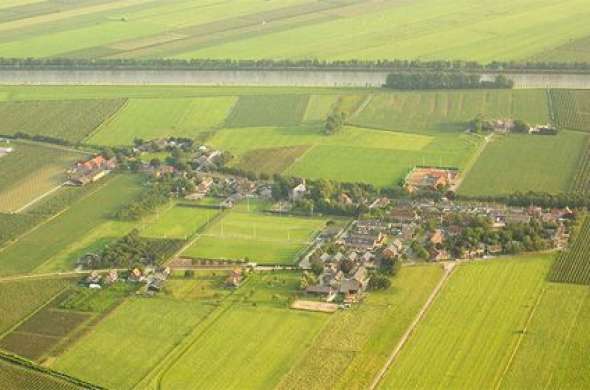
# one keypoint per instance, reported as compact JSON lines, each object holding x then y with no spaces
{"x":430,"y":179}
{"x":504,"y":126}
{"x":153,"y":280}
{"x":91,"y":170}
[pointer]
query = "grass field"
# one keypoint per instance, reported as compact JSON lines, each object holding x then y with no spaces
{"x":262,"y":238}
{"x":30,"y":171}
{"x":573,"y":264}
{"x":70,"y":120}
{"x":468,"y":335}
{"x":157,"y":118}
{"x":526,"y":163}
{"x":19,"y":299}
{"x":554,"y":349}
{"x":179,"y":222}
{"x":130,"y":341}
{"x":253,"y":111}
{"x":355,"y":344}
{"x":42,"y":244}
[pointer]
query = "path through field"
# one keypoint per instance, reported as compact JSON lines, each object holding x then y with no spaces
{"x":471,"y":163}
{"x":449,"y":267}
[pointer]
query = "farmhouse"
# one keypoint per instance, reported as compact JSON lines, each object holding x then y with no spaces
{"x":89,"y":171}
{"x":297,"y":192}
{"x":430,"y":179}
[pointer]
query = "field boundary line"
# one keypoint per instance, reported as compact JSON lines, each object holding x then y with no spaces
{"x":472,"y":161}
{"x":106,"y":121}
{"x":448,"y":271}
{"x":362,"y":106}
{"x":51,"y":146}
{"x":37,"y":199}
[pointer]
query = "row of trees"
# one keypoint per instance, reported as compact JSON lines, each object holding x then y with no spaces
{"x":541,"y":199}
{"x":443,"y":80}
{"x":287,"y":64}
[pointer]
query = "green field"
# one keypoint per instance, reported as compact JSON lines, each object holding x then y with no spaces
{"x":158,"y":118}
{"x":553,"y":352}
{"x":131,"y":341}
{"x":355,"y":344}
{"x":73,"y":225}
{"x":502,"y":30}
{"x":253,"y":111}
{"x":179,"y":222}
{"x":30,"y":171}
{"x":526,"y":163}
{"x":263,"y":238}
{"x":573,"y":264}
{"x":69,"y":120}
{"x":469,"y":334}
{"x":572,"y":109}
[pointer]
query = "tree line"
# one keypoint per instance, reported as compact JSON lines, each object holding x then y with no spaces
{"x":444,"y":80}
{"x":286,"y":64}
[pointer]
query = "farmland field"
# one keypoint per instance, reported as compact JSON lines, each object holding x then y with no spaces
{"x":572,"y":109}
{"x":468,"y":335}
{"x":553,"y":351}
{"x":30,"y":171}
{"x":345,"y":359}
{"x":181,"y":28}
{"x":158,"y":118}
{"x":39,"y":246}
{"x":253,"y":111}
{"x":581,"y":181}
{"x":573,"y":264}
{"x":179,"y":222}
{"x":70,"y":120}
{"x":262,"y":238}
{"x":526,"y":163}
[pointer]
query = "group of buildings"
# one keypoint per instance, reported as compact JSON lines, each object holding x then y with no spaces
{"x":91,"y":170}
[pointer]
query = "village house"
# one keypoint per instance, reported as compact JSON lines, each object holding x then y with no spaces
{"x":403,"y":213}
{"x":89,"y":171}
{"x":234,"y":279}
{"x":297,"y":192}
{"x":430,"y":179}
{"x":364,"y":241}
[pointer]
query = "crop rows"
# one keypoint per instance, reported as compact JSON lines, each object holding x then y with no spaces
{"x":573,"y":265}
{"x":567,"y":106}
{"x":581,"y":182}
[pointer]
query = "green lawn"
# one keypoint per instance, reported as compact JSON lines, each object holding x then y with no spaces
{"x":179,"y":222}
{"x":262,"y":238}
{"x":131,"y":341}
{"x":30,"y":171}
{"x":526,"y":163}
{"x":468,"y":335}
{"x":553,"y":353}
{"x":158,"y":118}
{"x":51,"y":238}
{"x":355,"y":343}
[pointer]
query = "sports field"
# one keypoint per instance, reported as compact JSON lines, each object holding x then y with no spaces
{"x":502,"y":30}
{"x":469,"y":334}
{"x":39,"y":247}
{"x":526,"y":163}
{"x":263,"y":238}
{"x":179,"y":222}
{"x":30,"y":171}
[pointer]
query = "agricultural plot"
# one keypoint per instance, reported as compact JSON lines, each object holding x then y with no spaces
{"x":450,"y":110}
{"x":354,"y":154}
{"x":180,"y":222}
{"x":344,"y":359}
{"x":30,"y":171}
{"x":39,"y":246}
{"x":69,"y":120}
{"x":576,"y":51}
{"x":259,"y":111}
{"x":572,"y":109}
{"x":581,"y":181}
{"x":526,"y":163}
{"x":13,"y":225}
{"x":131,"y":341}
{"x":18,"y":299}
{"x":159,"y":118}
{"x":470,"y":332}
{"x":554,"y":347}
{"x":263,"y":238}
{"x":573,"y":264}
{"x":319,"y":106}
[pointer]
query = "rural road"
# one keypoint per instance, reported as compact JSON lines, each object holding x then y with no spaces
{"x":448,"y":270}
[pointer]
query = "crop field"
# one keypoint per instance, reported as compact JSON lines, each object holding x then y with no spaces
{"x":158,"y":118}
{"x":501,"y":30}
{"x":13,"y":225}
{"x":263,"y":238}
{"x":553,"y":350}
{"x":344,"y":359}
{"x":572,"y":109}
{"x":69,"y":120}
{"x":17,"y":375}
{"x":19,"y":299}
{"x":179,"y":222}
{"x":573,"y":264}
{"x":468,"y":335}
{"x":30,"y":171}
{"x":581,"y":181}
{"x":260,"y":111}
{"x":577,"y":50}
{"x":131,"y":341}
{"x":450,"y":110}
{"x":39,"y":246}
{"x":526,"y":163}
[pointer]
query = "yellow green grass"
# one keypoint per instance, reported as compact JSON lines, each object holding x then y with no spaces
{"x":158,"y":118}
{"x":526,"y":163}
{"x":467,"y":337}
{"x":179,"y":222}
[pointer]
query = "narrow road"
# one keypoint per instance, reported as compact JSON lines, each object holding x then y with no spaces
{"x":448,"y":267}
